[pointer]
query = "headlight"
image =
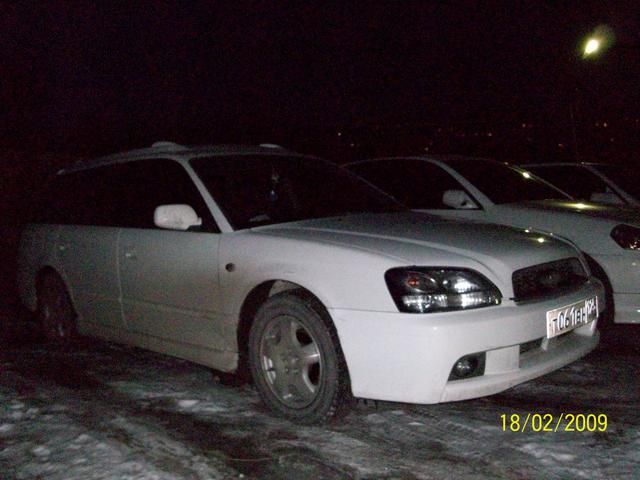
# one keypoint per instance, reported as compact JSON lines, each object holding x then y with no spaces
{"x":428,"y":289}
{"x":627,"y":237}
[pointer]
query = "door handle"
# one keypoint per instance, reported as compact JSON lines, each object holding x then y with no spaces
{"x":130,"y":255}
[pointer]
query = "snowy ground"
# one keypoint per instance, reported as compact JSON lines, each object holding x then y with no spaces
{"x":105,"y":411}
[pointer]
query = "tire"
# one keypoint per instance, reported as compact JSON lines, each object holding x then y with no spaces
{"x":56,"y":315}
{"x":295,"y":359}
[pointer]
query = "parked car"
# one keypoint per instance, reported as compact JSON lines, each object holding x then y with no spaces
{"x":323,"y":286}
{"x":597,"y":182}
{"x":489,"y":191}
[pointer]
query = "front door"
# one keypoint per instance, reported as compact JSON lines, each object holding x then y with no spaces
{"x":170,"y":285}
{"x":168,"y":278}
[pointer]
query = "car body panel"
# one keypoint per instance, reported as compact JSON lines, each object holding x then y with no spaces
{"x":419,"y":356}
{"x":88,"y":260}
{"x":170,"y":285}
{"x":313,"y":253}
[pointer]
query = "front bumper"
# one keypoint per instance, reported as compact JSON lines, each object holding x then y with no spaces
{"x":408,"y":357}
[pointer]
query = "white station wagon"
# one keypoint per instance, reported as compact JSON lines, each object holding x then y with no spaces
{"x":326,"y":288}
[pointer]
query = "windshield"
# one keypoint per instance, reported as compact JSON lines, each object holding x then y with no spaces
{"x":254,"y":190}
{"x":626,"y":177}
{"x":502,"y":183}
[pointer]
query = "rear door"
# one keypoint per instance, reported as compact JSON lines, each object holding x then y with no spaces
{"x":85,"y":247}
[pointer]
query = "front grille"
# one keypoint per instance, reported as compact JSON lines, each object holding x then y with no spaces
{"x":548,"y":279}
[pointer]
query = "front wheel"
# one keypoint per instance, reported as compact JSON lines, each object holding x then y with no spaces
{"x":295,"y":359}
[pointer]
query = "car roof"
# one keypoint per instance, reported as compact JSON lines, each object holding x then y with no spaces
{"x":444,"y":158}
{"x":563,"y":164}
{"x":176,"y":151}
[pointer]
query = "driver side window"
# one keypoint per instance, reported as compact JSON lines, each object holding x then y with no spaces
{"x":147,"y":184}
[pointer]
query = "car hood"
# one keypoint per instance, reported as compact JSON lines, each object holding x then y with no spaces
{"x":416,"y":238}
{"x":586,"y":210}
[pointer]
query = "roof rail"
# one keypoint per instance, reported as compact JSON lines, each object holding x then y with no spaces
{"x":271,"y":145}
{"x":166,"y":144}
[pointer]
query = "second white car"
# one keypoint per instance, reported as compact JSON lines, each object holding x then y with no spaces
{"x":483,"y":190}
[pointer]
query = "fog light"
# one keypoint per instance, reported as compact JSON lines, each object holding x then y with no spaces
{"x":465,"y":366}
{"x":468,"y":366}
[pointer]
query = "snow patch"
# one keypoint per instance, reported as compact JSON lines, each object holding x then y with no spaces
{"x":6,"y":427}
{"x":376,"y":418}
{"x":41,"y":451}
{"x":212,"y":409}
{"x":187,"y":403}
{"x":544,"y":453}
{"x":82,"y":438}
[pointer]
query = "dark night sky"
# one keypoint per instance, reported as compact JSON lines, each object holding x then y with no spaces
{"x":110,"y":75}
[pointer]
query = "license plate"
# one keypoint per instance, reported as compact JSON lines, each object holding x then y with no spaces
{"x":572,"y":316}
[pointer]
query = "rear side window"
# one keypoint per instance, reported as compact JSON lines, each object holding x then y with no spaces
{"x":121,"y":195}
{"x":415,"y":183}
{"x":80,"y":198}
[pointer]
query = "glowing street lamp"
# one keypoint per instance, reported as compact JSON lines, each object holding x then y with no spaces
{"x":600,"y":39}
{"x":592,"y":46}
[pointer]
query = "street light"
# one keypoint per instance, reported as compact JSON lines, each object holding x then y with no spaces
{"x":591,"y":47}
{"x":600,"y":39}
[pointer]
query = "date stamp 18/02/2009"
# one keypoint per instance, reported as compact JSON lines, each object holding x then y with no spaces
{"x":548,"y":422}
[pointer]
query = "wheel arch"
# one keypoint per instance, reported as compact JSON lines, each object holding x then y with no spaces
{"x":253,"y":301}
{"x":43,"y":272}
{"x":598,"y":271}
{"x":49,"y":270}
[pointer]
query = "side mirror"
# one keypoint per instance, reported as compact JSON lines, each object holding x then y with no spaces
{"x":176,"y":217}
{"x":606,"y":197}
{"x":458,"y":199}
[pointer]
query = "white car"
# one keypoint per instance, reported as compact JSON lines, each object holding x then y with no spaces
{"x":489,"y":191}
{"x":323,"y":286}
{"x":597,"y":182}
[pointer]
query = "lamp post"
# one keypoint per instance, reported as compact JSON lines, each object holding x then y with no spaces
{"x":592,"y":46}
